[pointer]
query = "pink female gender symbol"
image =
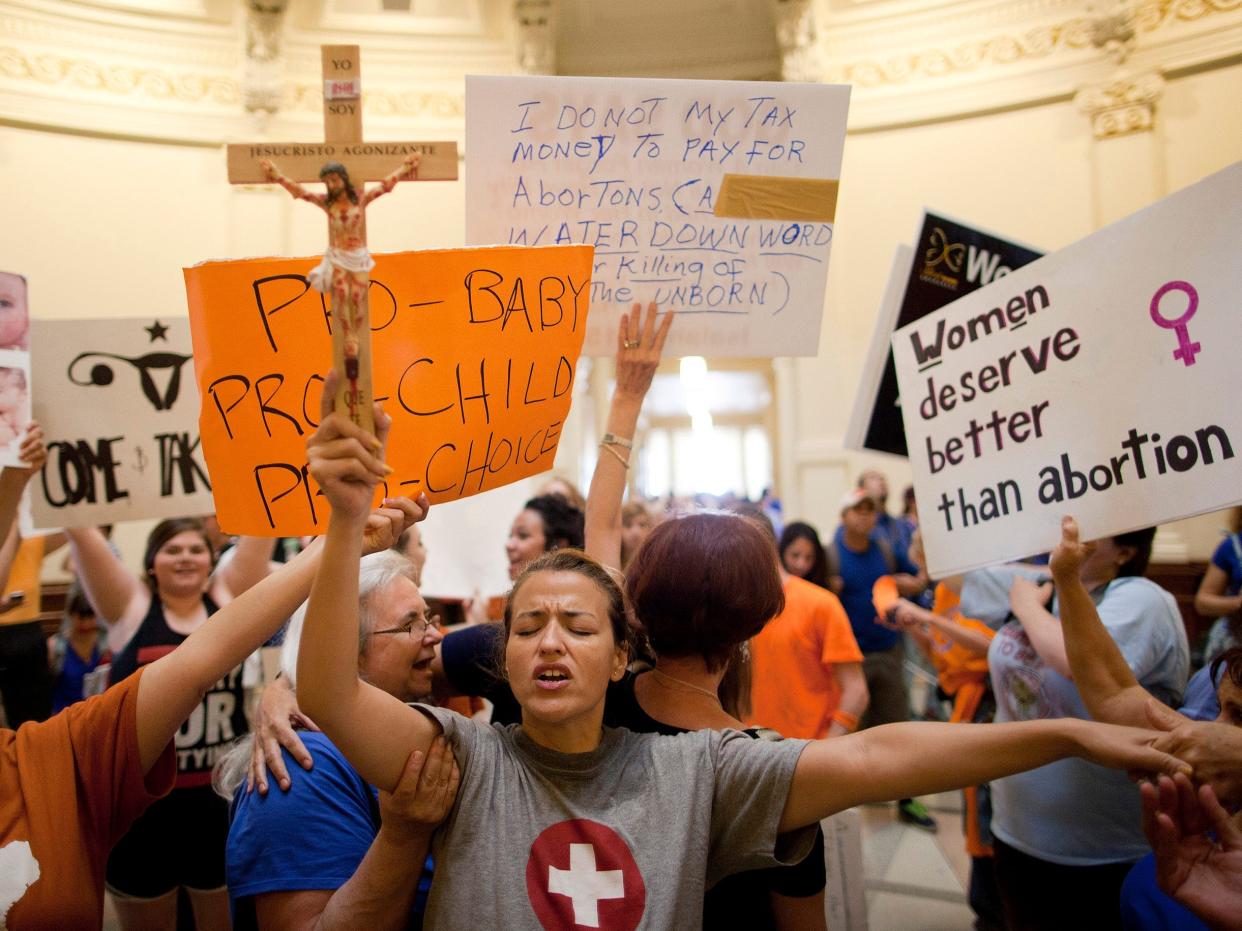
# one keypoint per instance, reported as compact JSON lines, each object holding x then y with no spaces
{"x":1186,"y":350}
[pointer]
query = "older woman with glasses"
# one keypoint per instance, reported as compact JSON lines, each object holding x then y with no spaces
{"x":291,"y":854}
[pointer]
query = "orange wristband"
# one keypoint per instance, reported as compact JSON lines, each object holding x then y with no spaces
{"x":846,"y":720}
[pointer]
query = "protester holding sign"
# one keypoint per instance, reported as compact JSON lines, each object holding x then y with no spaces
{"x":1073,"y":826}
{"x":71,"y":786}
{"x":25,"y":683}
{"x":1112,"y":693}
{"x":148,"y":619}
{"x":571,"y":797}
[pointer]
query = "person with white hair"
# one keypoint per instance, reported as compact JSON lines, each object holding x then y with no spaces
{"x":291,"y":855}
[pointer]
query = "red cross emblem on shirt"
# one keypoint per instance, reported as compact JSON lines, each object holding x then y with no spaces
{"x":581,"y":874}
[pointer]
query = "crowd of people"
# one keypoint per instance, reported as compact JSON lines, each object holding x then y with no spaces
{"x":645,"y":731}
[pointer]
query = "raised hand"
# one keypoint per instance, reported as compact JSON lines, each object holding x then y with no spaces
{"x":639,"y":345}
{"x":1025,"y":594}
{"x":345,"y":460}
{"x":1070,"y":554}
{"x":391,"y":519}
{"x":33,"y":451}
{"x":1203,"y":874}
{"x":424,"y":794}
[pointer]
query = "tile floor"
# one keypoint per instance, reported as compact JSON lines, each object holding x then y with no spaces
{"x":916,"y":880}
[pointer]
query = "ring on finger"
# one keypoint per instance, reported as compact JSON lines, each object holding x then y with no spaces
{"x":632,"y":344}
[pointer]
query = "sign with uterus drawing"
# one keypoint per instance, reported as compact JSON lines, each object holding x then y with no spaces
{"x":119,"y":406}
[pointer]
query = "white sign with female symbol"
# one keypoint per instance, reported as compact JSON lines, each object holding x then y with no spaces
{"x":1100,"y":381}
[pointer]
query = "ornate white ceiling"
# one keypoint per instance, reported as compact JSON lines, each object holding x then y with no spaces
{"x":180,"y":69}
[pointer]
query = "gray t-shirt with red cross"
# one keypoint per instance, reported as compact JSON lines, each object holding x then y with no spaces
{"x":627,"y":836}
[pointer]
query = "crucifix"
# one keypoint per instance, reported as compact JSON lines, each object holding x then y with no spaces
{"x":342,"y":160}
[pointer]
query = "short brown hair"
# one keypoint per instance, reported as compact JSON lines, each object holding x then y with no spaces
{"x":703,"y":584}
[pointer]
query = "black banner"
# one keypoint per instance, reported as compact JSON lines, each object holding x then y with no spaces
{"x":950,"y":261}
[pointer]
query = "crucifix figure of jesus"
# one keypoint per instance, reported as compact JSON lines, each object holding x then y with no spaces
{"x":344,"y":274}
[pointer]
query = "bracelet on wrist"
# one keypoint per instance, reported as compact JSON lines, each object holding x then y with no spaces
{"x":611,"y":439}
{"x":607,"y":447}
{"x":846,"y":720}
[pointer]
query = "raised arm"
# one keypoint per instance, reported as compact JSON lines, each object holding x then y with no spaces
{"x":408,"y":170}
{"x":251,"y":561}
{"x":374,"y":730}
{"x":909,"y":616}
{"x":1211,"y":600}
{"x":273,"y":175}
{"x":13,"y":479}
{"x":173,"y":685}
{"x":638,"y":356}
{"x":118,"y":597}
{"x":1028,"y":602}
{"x":905,"y":760}
{"x":1103,"y":677}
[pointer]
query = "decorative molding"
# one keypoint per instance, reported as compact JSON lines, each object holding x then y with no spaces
{"x":1036,"y":42}
{"x":85,"y":75}
{"x":261,"y":82}
{"x":796,"y":36}
{"x":536,"y":23}
{"x":1123,"y":104}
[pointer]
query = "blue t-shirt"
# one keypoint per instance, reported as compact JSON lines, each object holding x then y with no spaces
{"x":1201,"y":701}
{"x":1226,"y":560}
{"x":1146,"y":907}
{"x":1073,"y":812}
{"x":859,"y":572}
{"x":311,"y":837}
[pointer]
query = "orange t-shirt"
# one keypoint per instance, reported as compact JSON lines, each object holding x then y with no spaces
{"x":794,"y":689}
{"x":24,"y":578}
{"x":70,"y":786}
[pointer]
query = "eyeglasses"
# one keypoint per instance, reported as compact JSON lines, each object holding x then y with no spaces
{"x":416,"y":629}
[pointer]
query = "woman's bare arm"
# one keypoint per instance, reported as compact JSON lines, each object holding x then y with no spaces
{"x":638,"y":356}
{"x":1103,"y":677}
{"x":374,"y":730}
{"x":118,"y":597}
{"x":854,"y":695}
{"x":1211,"y":600}
{"x":1027,"y":601}
{"x":250,"y":563}
{"x":904,"y":760}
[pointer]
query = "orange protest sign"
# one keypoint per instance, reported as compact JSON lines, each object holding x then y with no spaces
{"x":474,"y":353}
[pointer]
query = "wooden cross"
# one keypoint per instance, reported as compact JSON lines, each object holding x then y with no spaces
{"x":344,"y":273}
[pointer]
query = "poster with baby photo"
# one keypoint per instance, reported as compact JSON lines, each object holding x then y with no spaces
{"x":14,"y":317}
{"x":14,"y":403}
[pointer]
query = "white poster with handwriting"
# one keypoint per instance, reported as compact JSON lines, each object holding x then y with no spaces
{"x":119,"y":407}
{"x":633,"y":167}
{"x":1100,"y":381}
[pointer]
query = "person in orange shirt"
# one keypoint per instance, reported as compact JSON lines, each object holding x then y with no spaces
{"x":71,"y":786}
{"x":806,"y":669}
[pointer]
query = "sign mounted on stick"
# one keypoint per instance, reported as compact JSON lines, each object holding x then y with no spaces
{"x":119,"y":408}
{"x":341,"y":162}
{"x":636,"y":167}
{"x":950,"y":260}
{"x":1100,"y":381}
{"x":474,"y":353}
